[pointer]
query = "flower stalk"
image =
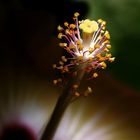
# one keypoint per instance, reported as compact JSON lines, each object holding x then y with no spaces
{"x":62,"y":103}
{"x":88,"y":44}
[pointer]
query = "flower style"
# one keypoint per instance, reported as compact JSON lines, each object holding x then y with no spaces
{"x":88,"y":43}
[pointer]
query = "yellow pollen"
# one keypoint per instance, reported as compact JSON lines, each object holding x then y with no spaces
{"x":66,"y":24}
{"x":107,"y":35}
{"x":88,"y":91}
{"x":101,"y":59}
{"x":78,"y":42}
{"x":100,"y":20}
{"x":77,"y":94}
{"x":108,"y":46}
{"x":98,"y":55}
{"x":55,"y":82}
{"x":103,"y":27}
{"x":112,"y":59}
{"x":102,"y":31}
{"x":80,"y":57}
{"x":61,"y":63}
{"x":71,"y":46}
{"x":104,"y":23}
{"x":64,"y":59}
{"x":60,"y":35}
{"x":106,"y":49}
{"x":95,"y":75}
{"x":97,"y":46}
{"x":75,"y":86}
{"x":61,"y":67}
{"x":103,"y":64}
{"x":90,"y":59}
{"x":59,"y":28}
{"x":108,"y":55}
{"x":91,"y":50}
{"x":107,"y":41}
{"x":67,"y":31}
{"x":65,"y":69}
{"x":72,"y":26}
{"x":80,"y":47}
{"x":59,"y":80}
{"x":62,"y":44}
{"x":54,"y":66}
{"x":76,"y":14}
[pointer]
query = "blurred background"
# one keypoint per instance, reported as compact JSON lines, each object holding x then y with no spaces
{"x":29,"y":47}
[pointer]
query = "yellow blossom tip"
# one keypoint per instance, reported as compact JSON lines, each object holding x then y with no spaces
{"x":62,"y":44}
{"x":95,"y":75}
{"x":112,"y":59}
{"x":100,"y":20}
{"x":108,"y":55}
{"x":104,"y":23}
{"x":71,"y":46}
{"x":61,"y":67}
{"x":67,"y":31}
{"x":108,"y":46}
{"x":61,"y":63}
{"x":65,"y":69}
{"x":64,"y":59}
{"x":54,"y":66}
{"x":55,"y":82}
{"x":59,"y":28}
{"x":76,"y":14}
{"x":103,"y":64}
{"x":75,"y":86}
{"x":77,"y":94}
{"x":59,"y":80}
{"x":60,"y":35}
{"x":107,"y":35}
{"x":106,"y":49}
{"x":66,"y":24}
{"x":72,"y":26}
{"x":88,"y":91}
{"x":80,"y":47}
{"x":97,"y":46}
{"x":91,"y":50}
{"x":80,"y":58}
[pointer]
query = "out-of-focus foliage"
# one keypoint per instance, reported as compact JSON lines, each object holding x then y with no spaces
{"x":123,"y":22}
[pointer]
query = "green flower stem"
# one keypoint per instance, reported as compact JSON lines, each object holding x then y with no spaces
{"x":61,"y":105}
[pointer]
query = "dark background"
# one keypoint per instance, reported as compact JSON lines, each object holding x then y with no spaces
{"x":29,"y":47}
{"x":28,"y":27}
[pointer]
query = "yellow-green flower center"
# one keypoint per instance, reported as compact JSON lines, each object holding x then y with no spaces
{"x":89,"y":26}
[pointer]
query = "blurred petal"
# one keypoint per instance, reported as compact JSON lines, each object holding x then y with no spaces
{"x":26,"y":107}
